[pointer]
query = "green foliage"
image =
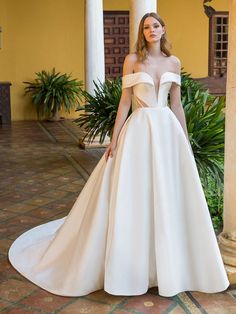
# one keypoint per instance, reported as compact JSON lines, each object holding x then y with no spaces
{"x":214,"y":196}
{"x":100,"y":110}
{"x":205,"y":122}
{"x":51,"y":91}
{"x":206,"y":126}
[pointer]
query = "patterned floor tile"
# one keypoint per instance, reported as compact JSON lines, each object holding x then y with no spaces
{"x":38,"y":184}
{"x":106,"y":297}
{"x":20,"y":208}
{"x":38,"y":200}
{"x":45,"y":301}
{"x":20,"y":310}
{"x":84,"y":306}
{"x":220,"y":303}
{"x":5,"y":215}
{"x":149,"y":304}
{"x":14,"y":290}
{"x":4,"y":304}
{"x":4,"y":245}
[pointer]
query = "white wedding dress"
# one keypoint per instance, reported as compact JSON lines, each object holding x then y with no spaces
{"x":140,"y":221}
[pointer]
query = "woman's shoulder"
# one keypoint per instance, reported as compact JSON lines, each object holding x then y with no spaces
{"x":129,"y":63}
{"x":175,"y":62}
{"x":131,"y":57}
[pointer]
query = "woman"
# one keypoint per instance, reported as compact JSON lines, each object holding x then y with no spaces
{"x":141,"y":220}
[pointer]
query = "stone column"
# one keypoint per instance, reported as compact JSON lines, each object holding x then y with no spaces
{"x":94,"y":43}
{"x":227,"y":239}
{"x":137,"y":9}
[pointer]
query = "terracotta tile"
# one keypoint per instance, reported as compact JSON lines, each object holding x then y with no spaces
{"x":70,"y":187}
{"x":122,"y":312}
{"x":5,"y":203}
{"x":4,"y":304}
{"x":148,"y":303}
{"x":38,"y":200}
{"x":45,"y":301}
{"x":86,"y":307}
{"x":24,"y":220}
{"x":6,"y":269}
{"x":32,"y":189}
{"x":20,"y":310}
{"x":52,"y":183}
{"x":54,"y":194}
{"x":62,"y":204}
{"x":27,"y":181}
{"x":105,"y":297}
{"x":4,"y":245}
{"x":45,"y":213}
{"x":6,"y":230}
{"x":14,"y":290}
{"x":20,"y":208}
{"x":43,"y":176}
{"x":221,"y":303}
{"x":5,"y":215}
{"x":18,"y":196}
{"x":178,"y":310}
{"x":14,"y":235}
{"x":79,"y":181}
{"x":59,"y":216}
{"x":62,"y":170}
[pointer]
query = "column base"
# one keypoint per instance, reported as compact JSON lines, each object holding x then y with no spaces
{"x":227,"y":244}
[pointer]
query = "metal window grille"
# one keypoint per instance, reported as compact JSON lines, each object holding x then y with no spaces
{"x":218,"y":44}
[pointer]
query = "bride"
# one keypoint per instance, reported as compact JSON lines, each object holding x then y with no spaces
{"x":141,"y":219}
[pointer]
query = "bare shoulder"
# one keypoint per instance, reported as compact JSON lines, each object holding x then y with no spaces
{"x":129,"y":62}
{"x":175,"y":63}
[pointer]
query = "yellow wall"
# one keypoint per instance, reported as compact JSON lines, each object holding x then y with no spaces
{"x":39,"y":35}
{"x":187,"y":27}
{"x":50,"y":33}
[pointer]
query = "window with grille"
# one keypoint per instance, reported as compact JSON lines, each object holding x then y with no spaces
{"x":218,"y":44}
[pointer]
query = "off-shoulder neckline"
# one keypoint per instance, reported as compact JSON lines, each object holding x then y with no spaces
{"x":160,"y":80}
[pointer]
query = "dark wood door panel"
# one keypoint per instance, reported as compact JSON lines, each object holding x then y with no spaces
{"x":116,"y":40}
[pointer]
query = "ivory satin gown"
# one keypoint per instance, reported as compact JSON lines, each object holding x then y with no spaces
{"x":141,"y":219}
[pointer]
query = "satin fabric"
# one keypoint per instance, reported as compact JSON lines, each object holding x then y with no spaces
{"x":140,"y":221}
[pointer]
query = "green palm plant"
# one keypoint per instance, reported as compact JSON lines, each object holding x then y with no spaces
{"x":206,"y":125}
{"x":99,"y":111}
{"x":51,"y":91}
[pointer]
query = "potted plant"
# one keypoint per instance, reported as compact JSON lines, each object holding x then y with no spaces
{"x":52,"y":91}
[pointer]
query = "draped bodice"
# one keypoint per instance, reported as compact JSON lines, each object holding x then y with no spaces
{"x":144,"y":90}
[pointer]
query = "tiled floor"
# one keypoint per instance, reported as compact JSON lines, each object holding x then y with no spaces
{"x":42,"y":173}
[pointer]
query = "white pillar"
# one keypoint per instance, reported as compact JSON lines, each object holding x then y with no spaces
{"x":94,"y":44}
{"x":137,"y":9}
{"x":227,"y":239}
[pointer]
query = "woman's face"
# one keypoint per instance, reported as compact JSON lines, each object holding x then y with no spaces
{"x":152,"y":29}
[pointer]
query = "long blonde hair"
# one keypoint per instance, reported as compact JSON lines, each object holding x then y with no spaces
{"x":141,"y":44}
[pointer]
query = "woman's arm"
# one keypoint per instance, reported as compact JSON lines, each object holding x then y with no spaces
{"x":123,"y":108}
{"x":176,"y":106}
{"x":175,"y":100}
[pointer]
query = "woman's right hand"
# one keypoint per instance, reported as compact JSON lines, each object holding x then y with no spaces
{"x":110,"y":150}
